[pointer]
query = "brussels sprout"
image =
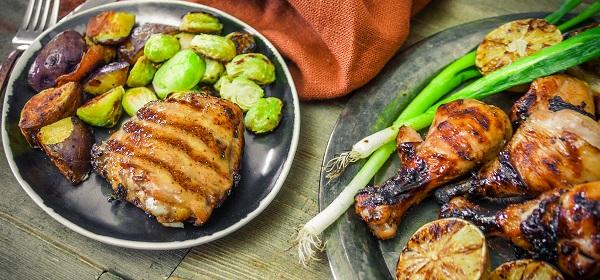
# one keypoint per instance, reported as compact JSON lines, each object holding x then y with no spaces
{"x":242,"y":92}
{"x":110,"y":27}
{"x":213,"y":46}
{"x":104,"y":110}
{"x":185,"y":40}
{"x":136,"y":98}
{"x":244,"y":42}
{"x":107,"y":77}
{"x":200,"y":22}
{"x":161,"y":47}
{"x":182,"y":72}
{"x":213,"y":72}
{"x":205,"y":90}
{"x":222,"y":80}
{"x":133,"y":47}
{"x":141,"y":73}
{"x":254,"y":66}
{"x":264,"y":116}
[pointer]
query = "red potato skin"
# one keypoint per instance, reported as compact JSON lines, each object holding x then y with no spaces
{"x":60,"y":56}
{"x":93,"y":58}
{"x":72,"y":156}
{"x":49,"y":106}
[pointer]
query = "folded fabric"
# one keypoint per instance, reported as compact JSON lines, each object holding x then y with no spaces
{"x":332,"y":46}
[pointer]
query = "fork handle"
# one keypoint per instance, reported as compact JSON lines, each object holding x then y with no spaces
{"x":5,"y":69}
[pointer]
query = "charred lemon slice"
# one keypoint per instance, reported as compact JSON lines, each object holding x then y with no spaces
{"x":525,"y":270}
{"x":444,"y":249}
{"x":514,"y":40}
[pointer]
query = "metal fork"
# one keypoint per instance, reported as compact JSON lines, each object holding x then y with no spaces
{"x":40,"y":15}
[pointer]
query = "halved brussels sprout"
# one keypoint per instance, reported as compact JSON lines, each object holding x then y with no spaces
{"x":161,"y":47}
{"x":264,"y":116}
{"x":205,"y":90}
{"x":133,"y":48}
{"x":110,"y":27}
{"x":68,"y":144}
{"x":213,"y":72}
{"x":254,"y":66}
{"x":222,"y":80}
{"x":141,"y":73}
{"x":136,"y":98}
{"x":242,"y":92}
{"x":200,"y":22}
{"x":185,"y":40}
{"x":214,"y":46}
{"x":106,"y":78}
{"x":104,"y":110}
{"x":244,"y":42}
{"x":182,"y":72}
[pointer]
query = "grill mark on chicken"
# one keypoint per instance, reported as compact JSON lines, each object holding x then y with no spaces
{"x":557,"y":103}
{"x":136,"y":129}
{"x":463,"y":134}
{"x":149,"y":114}
{"x":540,"y":228}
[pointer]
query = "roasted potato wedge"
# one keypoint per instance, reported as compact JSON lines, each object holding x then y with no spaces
{"x":49,"y":106}
{"x":104,"y":110}
{"x":60,"y":56}
{"x":110,"y":27}
{"x":68,"y":143}
{"x":95,"y":56}
{"x":106,"y":78}
{"x":133,"y":48}
{"x":514,"y":40}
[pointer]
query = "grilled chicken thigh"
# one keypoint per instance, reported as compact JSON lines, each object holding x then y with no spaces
{"x":561,"y":226}
{"x":177,"y":159}
{"x":463,"y":134}
{"x":557,"y":143}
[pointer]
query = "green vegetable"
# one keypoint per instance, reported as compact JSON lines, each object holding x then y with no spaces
{"x":141,"y":73}
{"x":213,"y":72}
{"x":182,"y":72}
{"x":242,"y":92}
{"x":214,"y":46}
{"x":244,"y":42}
{"x":136,"y":98}
{"x":104,"y":110}
{"x":222,"y":80}
{"x":200,"y":22}
{"x":185,"y":39}
{"x":254,"y":66}
{"x":264,"y":116}
{"x":161,"y":47}
{"x":585,"y":14}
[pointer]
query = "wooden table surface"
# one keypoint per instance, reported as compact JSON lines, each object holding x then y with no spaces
{"x":34,"y":246}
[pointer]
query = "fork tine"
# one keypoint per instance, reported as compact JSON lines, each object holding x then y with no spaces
{"x":54,"y":13}
{"x":42,"y":24}
{"x":28,"y":13}
{"x":36,"y":16}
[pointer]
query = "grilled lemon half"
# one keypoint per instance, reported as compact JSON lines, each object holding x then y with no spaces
{"x":525,"y":270}
{"x":444,"y":249}
{"x":514,"y":40}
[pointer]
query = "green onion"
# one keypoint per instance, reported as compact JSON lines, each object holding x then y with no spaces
{"x":447,"y":80}
{"x":566,"y":54}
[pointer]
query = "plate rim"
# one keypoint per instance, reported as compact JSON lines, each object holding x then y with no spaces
{"x":147,"y":245}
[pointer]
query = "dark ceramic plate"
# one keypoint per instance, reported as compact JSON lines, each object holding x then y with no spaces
{"x":85,"y":209}
{"x":352,"y":251}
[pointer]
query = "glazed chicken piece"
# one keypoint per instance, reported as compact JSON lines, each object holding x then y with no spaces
{"x":561,"y":226}
{"x":464,"y":133}
{"x":176,"y":159}
{"x":556,"y":144}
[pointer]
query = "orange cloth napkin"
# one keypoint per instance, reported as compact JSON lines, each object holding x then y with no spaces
{"x":334,"y":46}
